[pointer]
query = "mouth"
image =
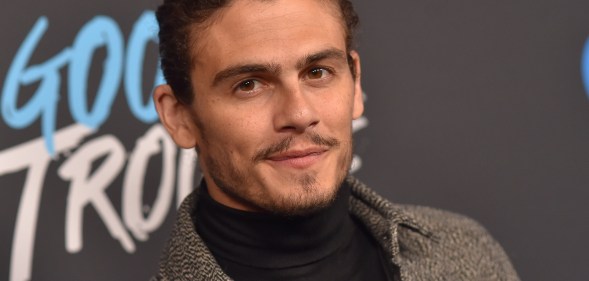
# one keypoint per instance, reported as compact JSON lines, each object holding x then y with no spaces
{"x":298,"y":159}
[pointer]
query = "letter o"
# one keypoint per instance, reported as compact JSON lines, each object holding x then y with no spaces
{"x":156,"y":140}
{"x":144,"y":30}
{"x":100,"y":31}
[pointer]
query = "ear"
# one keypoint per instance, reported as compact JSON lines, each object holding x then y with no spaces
{"x":175,"y":116}
{"x":358,"y":106}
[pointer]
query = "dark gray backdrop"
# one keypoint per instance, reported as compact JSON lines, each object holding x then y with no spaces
{"x":473,"y":106}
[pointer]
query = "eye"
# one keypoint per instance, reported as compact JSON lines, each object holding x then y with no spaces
{"x":317,"y":73}
{"x":248,"y":85}
{"x":249,"y":88}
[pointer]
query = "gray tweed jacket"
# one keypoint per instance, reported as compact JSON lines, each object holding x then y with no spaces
{"x":420,"y":242}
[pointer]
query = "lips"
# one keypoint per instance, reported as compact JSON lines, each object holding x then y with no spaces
{"x":299,"y":159}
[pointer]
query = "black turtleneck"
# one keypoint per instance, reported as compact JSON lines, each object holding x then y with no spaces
{"x":326,"y":245}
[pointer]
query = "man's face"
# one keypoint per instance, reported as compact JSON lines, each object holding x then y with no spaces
{"x":274,"y":103}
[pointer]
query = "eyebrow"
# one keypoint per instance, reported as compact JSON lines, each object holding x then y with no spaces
{"x":331,"y":53}
{"x":232,"y":71}
{"x":244,"y":69}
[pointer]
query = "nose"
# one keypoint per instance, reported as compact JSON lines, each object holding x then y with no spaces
{"x":295,"y":110}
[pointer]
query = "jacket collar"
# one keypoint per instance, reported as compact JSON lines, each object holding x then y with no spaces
{"x":384,"y":220}
{"x":187,"y":257}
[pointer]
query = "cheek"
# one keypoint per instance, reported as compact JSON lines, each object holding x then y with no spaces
{"x":231,"y":133}
{"x":338,"y":113}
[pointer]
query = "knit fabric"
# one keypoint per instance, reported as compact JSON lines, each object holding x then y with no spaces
{"x":423,"y":243}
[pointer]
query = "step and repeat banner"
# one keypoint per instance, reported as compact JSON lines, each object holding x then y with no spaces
{"x":479,"y":107}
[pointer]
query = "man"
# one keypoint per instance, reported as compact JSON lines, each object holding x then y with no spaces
{"x":266,"y":91}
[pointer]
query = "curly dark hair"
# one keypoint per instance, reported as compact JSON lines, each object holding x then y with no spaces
{"x":177,"y":17}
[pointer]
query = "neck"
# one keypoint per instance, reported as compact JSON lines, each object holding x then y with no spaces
{"x":266,"y":240}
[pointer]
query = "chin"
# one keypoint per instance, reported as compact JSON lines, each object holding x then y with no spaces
{"x":301,"y":195}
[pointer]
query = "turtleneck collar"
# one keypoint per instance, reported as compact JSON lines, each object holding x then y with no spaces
{"x":264,"y":240}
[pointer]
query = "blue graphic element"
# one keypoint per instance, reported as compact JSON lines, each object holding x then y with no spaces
{"x":585,"y":66}
{"x":100,"y":31}
{"x":144,"y":30}
{"x":44,"y":102}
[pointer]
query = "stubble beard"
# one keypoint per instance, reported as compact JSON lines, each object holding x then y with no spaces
{"x":308,"y":196}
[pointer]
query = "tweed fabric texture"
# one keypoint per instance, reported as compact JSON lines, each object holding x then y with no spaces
{"x":422,"y":243}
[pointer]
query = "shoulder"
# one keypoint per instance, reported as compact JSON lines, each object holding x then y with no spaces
{"x":186,"y":257}
{"x":443,"y":222}
{"x":465,"y":247}
{"x":451,"y":230}
{"x":433,"y":244}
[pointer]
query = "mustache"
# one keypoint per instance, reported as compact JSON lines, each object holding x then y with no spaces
{"x":286,"y":143}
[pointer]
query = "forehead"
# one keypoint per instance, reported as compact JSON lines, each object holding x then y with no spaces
{"x":268,"y":30}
